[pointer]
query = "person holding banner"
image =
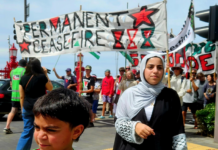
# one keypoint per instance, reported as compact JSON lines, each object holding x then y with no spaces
{"x":177,"y":81}
{"x":69,"y":80}
{"x":149,"y":114}
{"x":191,"y":96}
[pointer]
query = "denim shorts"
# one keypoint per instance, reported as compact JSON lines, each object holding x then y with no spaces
{"x":107,"y":99}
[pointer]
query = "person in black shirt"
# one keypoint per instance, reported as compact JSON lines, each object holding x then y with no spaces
{"x":33,"y":85}
{"x":88,"y":89}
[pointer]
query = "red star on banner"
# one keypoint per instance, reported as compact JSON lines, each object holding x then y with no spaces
{"x":143,"y":17}
{"x":24,"y":47}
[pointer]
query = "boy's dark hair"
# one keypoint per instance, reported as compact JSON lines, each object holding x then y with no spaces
{"x":65,"y":105}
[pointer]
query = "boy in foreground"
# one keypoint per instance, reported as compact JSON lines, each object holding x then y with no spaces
{"x":60,"y":118}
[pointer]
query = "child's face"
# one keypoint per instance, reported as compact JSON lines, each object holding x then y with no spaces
{"x":54,"y":134}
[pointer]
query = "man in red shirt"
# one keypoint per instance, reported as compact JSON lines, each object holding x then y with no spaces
{"x":107,"y":92}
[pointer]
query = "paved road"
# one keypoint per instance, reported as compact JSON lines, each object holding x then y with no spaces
{"x":101,"y":137}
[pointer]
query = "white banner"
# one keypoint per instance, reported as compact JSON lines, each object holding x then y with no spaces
{"x":203,"y":57}
{"x":185,"y":37}
{"x":141,"y":28}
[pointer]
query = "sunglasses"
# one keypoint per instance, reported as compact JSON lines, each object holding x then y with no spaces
{"x":127,"y":68}
{"x":193,"y":73}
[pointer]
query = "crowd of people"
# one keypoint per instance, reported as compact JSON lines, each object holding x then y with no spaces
{"x":143,"y":107}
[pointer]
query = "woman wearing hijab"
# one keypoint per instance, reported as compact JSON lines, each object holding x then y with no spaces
{"x":149,"y":115}
{"x":129,"y":82}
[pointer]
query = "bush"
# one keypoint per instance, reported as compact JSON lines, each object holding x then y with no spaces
{"x":206,"y":119}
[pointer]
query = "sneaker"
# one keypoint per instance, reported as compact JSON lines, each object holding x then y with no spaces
{"x":111,"y":116}
{"x":7,"y":131}
{"x":91,"y":124}
{"x":102,"y":117}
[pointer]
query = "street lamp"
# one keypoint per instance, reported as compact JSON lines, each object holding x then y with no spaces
{"x":13,"y":51}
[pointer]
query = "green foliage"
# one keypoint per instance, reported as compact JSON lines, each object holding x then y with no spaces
{"x":206,"y":118}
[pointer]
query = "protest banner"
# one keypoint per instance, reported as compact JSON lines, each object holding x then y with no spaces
{"x":141,"y":28}
{"x":203,"y":57}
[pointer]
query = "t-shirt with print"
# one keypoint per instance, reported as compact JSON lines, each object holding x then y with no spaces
{"x":69,"y":80}
{"x":87,"y":83}
{"x":201,"y":90}
{"x":97,"y":86}
{"x":193,"y":96}
{"x":34,"y":90}
{"x":209,"y":90}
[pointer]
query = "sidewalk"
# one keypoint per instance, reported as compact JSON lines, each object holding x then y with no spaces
{"x":198,"y":142}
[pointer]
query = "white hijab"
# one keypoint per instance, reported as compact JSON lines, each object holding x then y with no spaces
{"x":139,"y":96}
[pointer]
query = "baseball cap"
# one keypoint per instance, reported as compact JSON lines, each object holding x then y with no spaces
{"x":88,"y":67}
{"x":68,"y":69}
{"x":107,"y":70}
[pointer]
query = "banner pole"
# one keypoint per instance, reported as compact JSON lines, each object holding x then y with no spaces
{"x":167,"y":50}
{"x":57,"y":61}
{"x":125,"y":51}
{"x":168,"y":62}
{"x":80,"y":73}
{"x":80,"y":67}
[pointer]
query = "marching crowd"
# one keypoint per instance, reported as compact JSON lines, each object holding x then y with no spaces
{"x":142,"y":106}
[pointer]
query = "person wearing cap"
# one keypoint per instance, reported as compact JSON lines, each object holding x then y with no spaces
{"x":177,"y":81}
{"x":88,"y":90}
{"x":69,"y":80}
{"x":15,"y":77}
{"x":107,"y":93}
{"x":95,"y":96}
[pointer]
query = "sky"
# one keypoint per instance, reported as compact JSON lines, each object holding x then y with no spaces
{"x":177,"y":12}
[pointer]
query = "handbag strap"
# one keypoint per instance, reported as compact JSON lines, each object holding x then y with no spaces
{"x":28,"y":82}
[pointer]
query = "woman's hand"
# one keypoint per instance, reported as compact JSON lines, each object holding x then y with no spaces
{"x":143,"y":130}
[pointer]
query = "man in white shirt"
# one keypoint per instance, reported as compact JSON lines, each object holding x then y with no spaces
{"x":191,"y":96}
{"x":178,"y":83}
